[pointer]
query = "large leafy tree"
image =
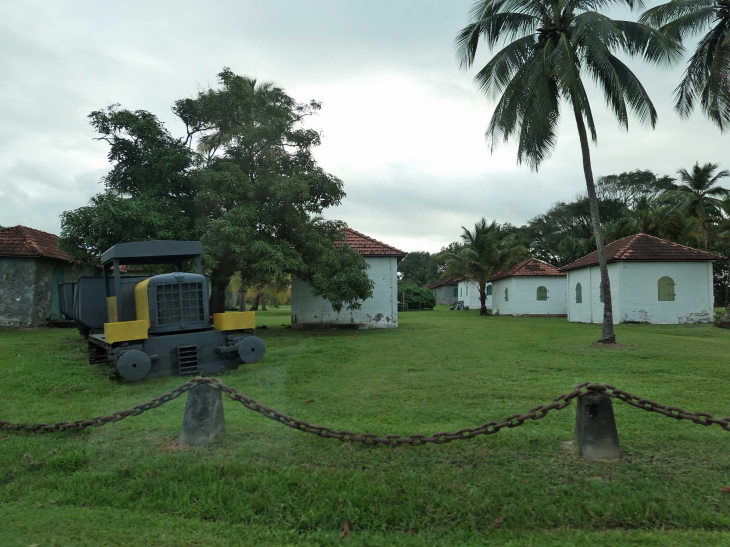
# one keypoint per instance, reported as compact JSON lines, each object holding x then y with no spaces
{"x":242,"y":179}
{"x":700,"y":194}
{"x":549,"y":46}
{"x":419,"y":267}
{"x":707,"y":77}
{"x":487,"y":250}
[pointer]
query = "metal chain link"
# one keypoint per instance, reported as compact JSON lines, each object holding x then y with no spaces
{"x":80,"y":425}
{"x":489,"y":428}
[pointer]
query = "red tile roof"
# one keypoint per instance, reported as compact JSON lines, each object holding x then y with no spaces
{"x":367,"y":246}
{"x":643,"y":247}
{"x":441,"y":282}
{"x":24,"y":241}
{"x":529,"y":267}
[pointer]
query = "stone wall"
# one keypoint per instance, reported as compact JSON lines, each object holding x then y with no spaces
{"x":26,"y":289}
{"x":17,"y":276}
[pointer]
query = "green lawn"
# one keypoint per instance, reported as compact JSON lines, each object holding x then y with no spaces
{"x":264,"y":484}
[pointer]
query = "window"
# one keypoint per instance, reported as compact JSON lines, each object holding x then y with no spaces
{"x":600,"y":292}
{"x":489,"y":290}
{"x":506,"y":294}
{"x":461,"y":291}
{"x":578,"y":294}
{"x":467,"y":290}
{"x":542,"y":293}
{"x":456,"y":292}
{"x":666,"y":289}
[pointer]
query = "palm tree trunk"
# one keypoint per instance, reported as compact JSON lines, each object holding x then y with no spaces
{"x":607,"y":334}
{"x":483,"y":298}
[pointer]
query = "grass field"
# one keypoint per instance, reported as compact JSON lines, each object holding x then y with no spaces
{"x":264,"y":484}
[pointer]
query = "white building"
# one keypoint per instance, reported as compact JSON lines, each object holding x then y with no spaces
{"x":379,"y":311}
{"x":652,"y":281}
{"x":468,"y":292}
{"x":532,"y":287}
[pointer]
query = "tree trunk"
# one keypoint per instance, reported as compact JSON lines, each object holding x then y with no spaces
{"x":256,"y":300}
{"x":483,"y":298}
{"x":242,"y":296}
{"x":725,"y":319}
{"x":218,"y":283}
{"x":263,"y":302}
{"x":607,"y":334}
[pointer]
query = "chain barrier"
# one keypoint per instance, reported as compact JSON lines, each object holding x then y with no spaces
{"x":489,"y":428}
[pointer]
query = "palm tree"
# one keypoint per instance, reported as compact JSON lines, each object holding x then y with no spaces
{"x":707,"y":76}
{"x":700,"y":194}
{"x":549,"y":45}
{"x":487,"y":250}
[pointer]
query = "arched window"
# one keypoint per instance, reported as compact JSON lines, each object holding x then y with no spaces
{"x":666,"y":289}
{"x":600,"y":291}
{"x":542,"y":293}
{"x":467,"y":289}
{"x":461,"y":291}
{"x":489,"y":290}
{"x":578,"y":293}
{"x":506,"y":294}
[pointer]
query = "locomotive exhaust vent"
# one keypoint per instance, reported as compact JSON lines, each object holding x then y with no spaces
{"x":187,"y":359}
{"x":180,"y":303}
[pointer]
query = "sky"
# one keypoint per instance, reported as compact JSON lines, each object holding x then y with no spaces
{"x":402,"y":124}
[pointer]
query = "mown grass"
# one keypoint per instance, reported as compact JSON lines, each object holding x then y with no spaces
{"x":264,"y":484}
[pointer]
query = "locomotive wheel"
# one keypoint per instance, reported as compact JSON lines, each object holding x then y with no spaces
{"x":251,"y":349}
{"x":134,"y":365}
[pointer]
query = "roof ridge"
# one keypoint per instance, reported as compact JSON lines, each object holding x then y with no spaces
{"x":374,"y":240}
{"x":632,"y":238}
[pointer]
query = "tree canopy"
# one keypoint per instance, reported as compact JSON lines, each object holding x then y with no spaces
{"x":243,"y":179}
{"x":419,"y":267}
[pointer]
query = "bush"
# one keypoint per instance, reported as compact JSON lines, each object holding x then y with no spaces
{"x":412,"y":297}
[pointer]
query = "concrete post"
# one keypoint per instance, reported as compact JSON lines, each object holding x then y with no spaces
{"x":203,"y":421}
{"x":596,"y":436}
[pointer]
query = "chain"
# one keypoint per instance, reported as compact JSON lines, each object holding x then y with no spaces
{"x":80,"y":425}
{"x":489,"y":428}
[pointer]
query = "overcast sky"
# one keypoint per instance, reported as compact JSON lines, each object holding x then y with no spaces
{"x":403,"y":125}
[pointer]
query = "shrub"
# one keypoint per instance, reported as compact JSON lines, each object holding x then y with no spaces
{"x":415,"y":297}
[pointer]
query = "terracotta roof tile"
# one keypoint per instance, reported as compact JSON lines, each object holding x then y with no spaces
{"x":367,"y":246}
{"x":441,"y":282}
{"x":643,"y":247}
{"x":529,"y":267}
{"x":24,"y":241}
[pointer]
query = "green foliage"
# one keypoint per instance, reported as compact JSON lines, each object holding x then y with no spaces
{"x":548,"y":48}
{"x":707,"y":77}
{"x":487,"y":250}
{"x":243,"y":180}
{"x":415,"y":297}
{"x":419,"y":267}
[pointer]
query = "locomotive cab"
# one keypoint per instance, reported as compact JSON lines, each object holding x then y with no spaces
{"x":158,"y":325}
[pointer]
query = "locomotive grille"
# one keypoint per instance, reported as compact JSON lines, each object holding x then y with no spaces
{"x":179,"y":303}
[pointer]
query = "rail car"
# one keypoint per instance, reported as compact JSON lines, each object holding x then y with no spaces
{"x":157,"y":325}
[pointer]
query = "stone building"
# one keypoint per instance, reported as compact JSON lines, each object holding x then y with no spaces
{"x":31,"y":269}
{"x":378,"y":312}
{"x":445,"y":290}
{"x":652,"y":281}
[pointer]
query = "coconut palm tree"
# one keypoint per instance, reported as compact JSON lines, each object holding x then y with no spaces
{"x":548,"y":46}
{"x":487,"y":250}
{"x":700,"y":194}
{"x":707,"y":77}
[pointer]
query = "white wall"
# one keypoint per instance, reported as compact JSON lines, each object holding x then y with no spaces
{"x":523,"y":296}
{"x":635,"y":293}
{"x":469,"y":294}
{"x":380,"y":311}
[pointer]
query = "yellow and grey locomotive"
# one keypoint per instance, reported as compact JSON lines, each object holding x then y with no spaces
{"x":146,"y":326}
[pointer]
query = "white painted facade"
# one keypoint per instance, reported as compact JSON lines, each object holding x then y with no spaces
{"x":521,"y":298}
{"x":635,"y":293}
{"x":379,"y":311}
{"x":468,"y":292}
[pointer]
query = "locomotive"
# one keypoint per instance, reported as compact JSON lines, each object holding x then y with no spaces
{"x":157,"y":325}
